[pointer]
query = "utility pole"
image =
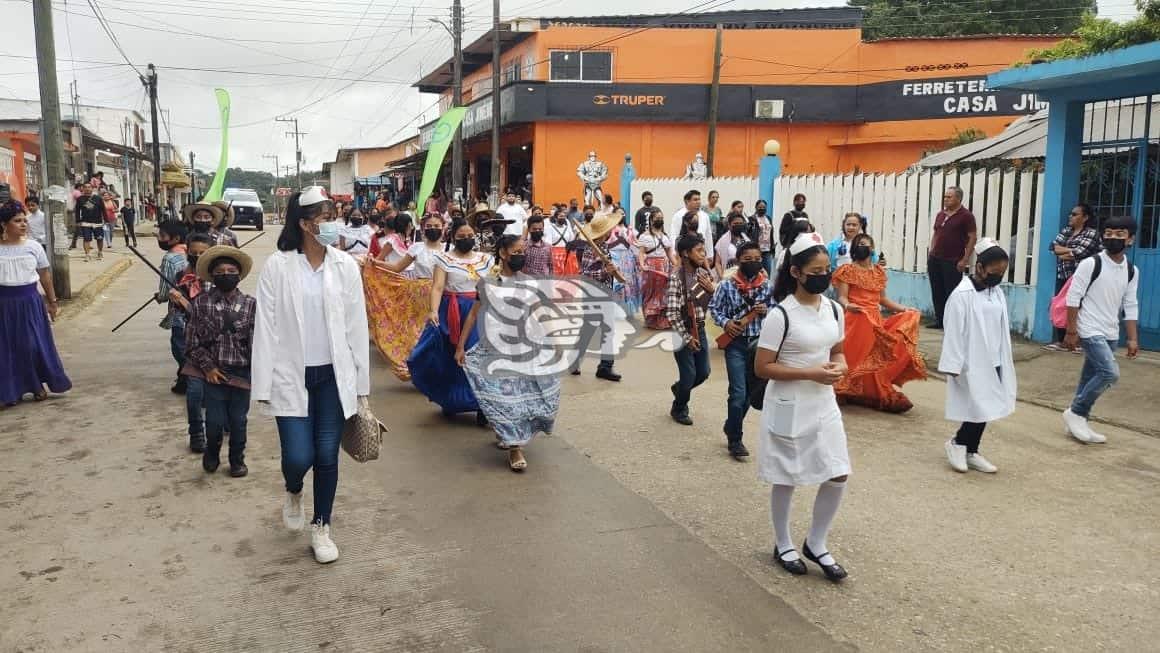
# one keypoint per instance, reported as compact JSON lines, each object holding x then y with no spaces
{"x":297,"y":148}
{"x":714,"y":100}
{"x":150,"y":83}
{"x":52,"y":147}
{"x":457,"y":100}
{"x":274,"y":192}
{"x":495,"y":53}
{"x":192,"y":178}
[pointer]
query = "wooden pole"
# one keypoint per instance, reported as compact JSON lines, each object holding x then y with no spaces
{"x":714,"y":100}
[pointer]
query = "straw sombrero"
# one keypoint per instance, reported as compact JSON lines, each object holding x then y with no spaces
{"x":601,"y":225}
{"x":188,"y":210}
{"x":482,"y":216}
{"x":206,"y":262}
{"x":227,"y":210}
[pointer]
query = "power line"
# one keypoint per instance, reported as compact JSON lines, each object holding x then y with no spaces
{"x":112,"y":36}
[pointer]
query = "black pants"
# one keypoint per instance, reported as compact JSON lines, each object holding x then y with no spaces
{"x":130,"y":233}
{"x":970,"y":434}
{"x":944,"y":278}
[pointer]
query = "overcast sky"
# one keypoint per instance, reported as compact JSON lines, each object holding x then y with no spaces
{"x":343,"y":67}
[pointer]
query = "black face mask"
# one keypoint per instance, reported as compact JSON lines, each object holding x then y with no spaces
{"x":588,"y":217}
{"x":357,"y":222}
{"x":201,"y":227}
{"x":537,"y":236}
{"x":816,"y":284}
{"x":464,"y":245}
{"x":737,"y":229}
{"x":164,"y":246}
{"x":992,"y":280}
{"x":517,"y":261}
{"x":498,"y":230}
{"x":751,"y":268}
{"x":432,"y":234}
{"x":761,"y":210}
{"x":860,"y":252}
{"x":1115,"y":245}
{"x":658,"y":224}
{"x":226,"y":282}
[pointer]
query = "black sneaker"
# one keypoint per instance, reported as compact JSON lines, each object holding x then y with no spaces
{"x":238,"y":469}
{"x":607,"y":374}
{"x":681,"y":417}
{"x":197,"y":443}
{"x":211,"y":460}
{"x":179,"y":386}
{"x":738,"y":450}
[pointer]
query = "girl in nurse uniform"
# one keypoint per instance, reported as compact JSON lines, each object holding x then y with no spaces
{"x":976,"y":357}
{"x":803,"y":441}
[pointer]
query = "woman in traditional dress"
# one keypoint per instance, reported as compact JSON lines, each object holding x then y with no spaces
{"x":559,"y":234}
{"x":28,"y":356}
{"x":388,"y":245}
{"x":882,"y":354}
{"x":655,"y":250}
{"x":803,"y":440}
{"x":518,"y":400}
{"x":976,"y":356}
{"x":453,"y":292}
{"x":622,"y":248}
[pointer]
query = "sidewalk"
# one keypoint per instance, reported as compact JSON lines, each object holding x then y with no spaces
{"x":1048,"y":379}
{"x":90,"y":278}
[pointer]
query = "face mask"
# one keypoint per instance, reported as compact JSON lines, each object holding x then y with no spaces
{"x":432,"y":234}
{"x":164,"y":246}
{"x":356,"y":222}
{"x":464,"y":245}
{"x":499,"y":230}
{"x":816,"y":284}
{"x":992,"y":280}
{"x":737,"y":229}
{"x":327,"y":233}
{"x":588,"y":217}
{"x":658,"y":224}
{"x":201,"y":227}
{"x":751,"y":268}
{"x":761,"y":210}
{"x":860,"y":252}
{"x":1115,"y":245}
{"x":517,"y":261}
{"x":537,"y":236}
{"x":226,"y":282}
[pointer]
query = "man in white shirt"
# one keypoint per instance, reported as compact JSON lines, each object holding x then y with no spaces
{"x":1102,"y":287}
{"x":704,"y":225}
{"x":37,"y":229}
{"x":510,"y":210}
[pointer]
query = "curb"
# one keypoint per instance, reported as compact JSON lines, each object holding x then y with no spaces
{"x":92,"y":289}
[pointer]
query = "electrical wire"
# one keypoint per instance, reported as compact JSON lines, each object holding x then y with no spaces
{"x":112,"y":36}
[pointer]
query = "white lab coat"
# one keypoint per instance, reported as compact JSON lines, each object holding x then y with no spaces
{"x":971,"y":339}
{"x":279,"y":369}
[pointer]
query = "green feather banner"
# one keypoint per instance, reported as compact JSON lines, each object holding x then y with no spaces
{"x":219,"y":180}
{"x":440,"y":141}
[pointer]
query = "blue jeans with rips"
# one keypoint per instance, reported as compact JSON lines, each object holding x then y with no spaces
{"x":735,"y":365}
{"x":313,"y":441}
{"x":1100,"y":373}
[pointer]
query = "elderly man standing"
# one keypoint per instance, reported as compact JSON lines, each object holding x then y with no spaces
{"x":951,"y":245}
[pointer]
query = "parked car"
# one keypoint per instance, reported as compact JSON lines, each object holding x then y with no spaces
{"x":246,"y":206}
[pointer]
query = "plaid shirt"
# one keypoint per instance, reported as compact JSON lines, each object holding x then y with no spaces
{"x":677,"y":300}
{"x":539,"y":258}
{"x":173,"y":266}
{"x":221,"y":330}
{"x":224,"y":236}
{"x":1084,"y":244}
{"x":729,"y":304}
{"x":592,"y":266}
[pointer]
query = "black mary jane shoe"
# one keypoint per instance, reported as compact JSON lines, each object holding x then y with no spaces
{"x":834,"y":572}
{"x":795,"y":567}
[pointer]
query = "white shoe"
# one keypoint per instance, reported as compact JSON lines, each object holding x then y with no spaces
{"x":1078,"y":428}
{"x":956,"y":456}
{"x":980,"y":464}
{"x":324,"y":549}
{"x":1096,"y":438}
{"x":292,"y":515}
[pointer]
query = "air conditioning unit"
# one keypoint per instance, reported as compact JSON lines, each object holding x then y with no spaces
{"x":769,"y":109}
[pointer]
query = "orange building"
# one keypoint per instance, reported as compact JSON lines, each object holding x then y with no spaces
{"x":641,"y":85}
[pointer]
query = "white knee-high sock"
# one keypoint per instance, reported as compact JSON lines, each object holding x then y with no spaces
{"x":780,"y":499}
{"x":825,"y":509}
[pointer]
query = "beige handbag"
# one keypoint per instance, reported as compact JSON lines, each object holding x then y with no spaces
{"x":362,"y":435}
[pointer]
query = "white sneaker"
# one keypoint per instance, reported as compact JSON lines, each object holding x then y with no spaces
{"x":980,"y":464}
{"x":956,"y":456}
{"x":324,"y":549}
{"x":1096,"y":438}
{"x":292,"y":515}
{"x":1078,"y":428}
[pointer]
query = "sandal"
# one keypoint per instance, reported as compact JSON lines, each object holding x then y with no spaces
{"x":516,"y":460}
{"x":501,"y":445}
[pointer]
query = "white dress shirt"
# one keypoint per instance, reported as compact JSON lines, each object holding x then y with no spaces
{"x":704,"y":227}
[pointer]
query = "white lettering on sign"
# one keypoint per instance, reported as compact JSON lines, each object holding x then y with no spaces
{"x":952,"y":87}
{"x":965,"y":96}
{"x":971,"y":104}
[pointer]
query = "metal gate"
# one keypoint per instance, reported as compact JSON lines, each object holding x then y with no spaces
{"x":1120,"y":175}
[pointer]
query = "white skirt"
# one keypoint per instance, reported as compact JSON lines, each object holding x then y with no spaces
{"x":803,"y":440}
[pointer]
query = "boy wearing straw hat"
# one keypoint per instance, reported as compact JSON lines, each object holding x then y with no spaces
{"x":220,"y":339}
{"x":598,"y":267}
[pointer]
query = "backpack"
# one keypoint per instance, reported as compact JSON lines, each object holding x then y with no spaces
{"x":1058,"y":310}
{"x":757,"y":384}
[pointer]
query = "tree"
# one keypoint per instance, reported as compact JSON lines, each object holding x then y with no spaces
{"x":1096,"y":35}
{"x":917,"y":18}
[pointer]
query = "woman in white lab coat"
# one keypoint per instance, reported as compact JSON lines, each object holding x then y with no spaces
{"x":311,"y":355}
{"x":803,"y":440}
{"x":976,"y":356}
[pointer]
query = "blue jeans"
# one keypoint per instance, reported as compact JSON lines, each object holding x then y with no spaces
{"x":1100,"y":373}
{"x":108,"y":234}
{"x":735,"y":359}
{"x":313,"y":441}
{"x":226,"y":409}
{"x":177,"y":344}
{"x":693,"y":368}
{"x":195,"y":404}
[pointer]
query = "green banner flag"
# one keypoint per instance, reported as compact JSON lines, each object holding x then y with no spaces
{"x":219,"y":180}
{"x":444,"y":132}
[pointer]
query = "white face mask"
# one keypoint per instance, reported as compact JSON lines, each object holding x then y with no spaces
{"x":327,"y":233}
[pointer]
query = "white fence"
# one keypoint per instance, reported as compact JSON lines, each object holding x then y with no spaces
{"x":900,"y":207}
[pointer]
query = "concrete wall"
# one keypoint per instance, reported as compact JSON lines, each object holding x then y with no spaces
{"x":913,"y":289}
{"x":341,"y":178}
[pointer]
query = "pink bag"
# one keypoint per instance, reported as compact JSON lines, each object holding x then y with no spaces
{"x":1058,"y":311}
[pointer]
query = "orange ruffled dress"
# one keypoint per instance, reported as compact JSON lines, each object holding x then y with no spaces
{"x":881,"y":354}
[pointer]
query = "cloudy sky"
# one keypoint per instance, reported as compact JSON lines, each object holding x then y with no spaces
{"x":343,"y":67}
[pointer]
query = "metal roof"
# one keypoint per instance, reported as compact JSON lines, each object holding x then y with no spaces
{"x":1137,"y":61}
